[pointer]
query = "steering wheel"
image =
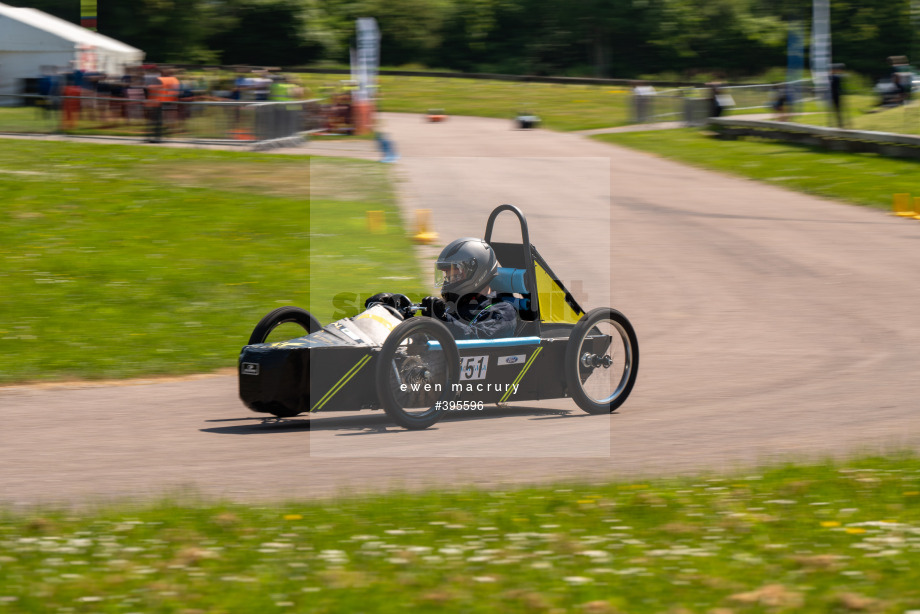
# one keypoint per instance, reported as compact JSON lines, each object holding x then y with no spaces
{"x":402,"y":304}
{"x":397,"y":304}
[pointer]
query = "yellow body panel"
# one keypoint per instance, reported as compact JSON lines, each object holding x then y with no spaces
{"x":553,"y":306}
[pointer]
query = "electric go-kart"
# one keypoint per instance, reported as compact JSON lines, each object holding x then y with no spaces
{"x":410,"y":365}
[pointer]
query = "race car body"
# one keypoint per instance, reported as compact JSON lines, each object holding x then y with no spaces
{"x":410,"y":365}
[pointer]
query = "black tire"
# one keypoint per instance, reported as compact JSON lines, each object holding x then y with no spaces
{"x":407,"y":357}
{"x":601,"y":360}
{"x":283,"y":315}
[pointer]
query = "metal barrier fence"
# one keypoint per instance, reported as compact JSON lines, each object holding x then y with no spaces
{"x":761,"y":96}
{"x":693,"y":105}
{"x":663,"y":106}
{"x":347,"y":72}
{"x":200,"y":122}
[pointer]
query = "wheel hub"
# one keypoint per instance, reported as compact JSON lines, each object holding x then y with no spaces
{"x":594,"y":361}
{"x":415,"y":372}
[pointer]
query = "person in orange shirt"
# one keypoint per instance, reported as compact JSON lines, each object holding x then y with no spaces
{"x":70,"y":105}
{"x":169,"y":86}
{"x":162,"y":96}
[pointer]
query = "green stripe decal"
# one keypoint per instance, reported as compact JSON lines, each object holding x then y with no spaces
{"x":521,"y":374}
{"x":339,"y":384}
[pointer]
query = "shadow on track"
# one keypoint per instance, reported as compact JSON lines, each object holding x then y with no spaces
{"x":376,"y":423}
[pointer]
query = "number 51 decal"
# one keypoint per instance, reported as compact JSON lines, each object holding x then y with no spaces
{"x":473,"y":367}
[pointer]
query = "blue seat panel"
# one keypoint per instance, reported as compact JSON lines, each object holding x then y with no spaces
{"x":510,"y":281}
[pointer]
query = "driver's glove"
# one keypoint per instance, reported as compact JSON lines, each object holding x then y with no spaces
{"x":381,"y":297}
{"x":434,"y":307}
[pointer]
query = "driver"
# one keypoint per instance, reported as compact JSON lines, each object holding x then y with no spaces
{"x":467,"y":304}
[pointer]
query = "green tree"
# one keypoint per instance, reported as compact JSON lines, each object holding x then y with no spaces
{"x":720,"y":36}
{"x":267,"y":33}
{"x":410,"y":30}
{"x":68,"y":10}
{"x":865,"y":32}
{"x":174,"y":31}
{"x":615,"y":38}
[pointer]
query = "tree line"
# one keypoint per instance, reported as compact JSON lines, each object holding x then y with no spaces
{"x":603,"y":38}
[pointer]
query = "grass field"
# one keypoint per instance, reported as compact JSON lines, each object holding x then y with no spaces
{"x":120,"y":261}
{"x":562,"y":107}
{"x":899,"y":120}
{"x":861,"y":179}
{"x":27,"y":119}
{"x":824,"y":537}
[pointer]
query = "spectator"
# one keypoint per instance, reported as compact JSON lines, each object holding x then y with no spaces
{"x":49,"y":87}
{"x":135,"y":95}
{"x":903,"y":81}
{"x":282,"y":89}
{"x":901,"y":78}
{"x":836,"y":87}
{"x":162,"y":94}
{"x":166,"y":90}
{"x":71,"y":103}
{"x":780,"y":102}
{"x":715,"y":104}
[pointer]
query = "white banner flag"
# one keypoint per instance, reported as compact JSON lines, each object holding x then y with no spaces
{"x":820,"y":44}
{"x":367,"y":57}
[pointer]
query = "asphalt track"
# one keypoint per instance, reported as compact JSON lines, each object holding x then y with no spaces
{"x":772,"y":325}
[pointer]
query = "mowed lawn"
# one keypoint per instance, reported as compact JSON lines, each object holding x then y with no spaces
{"x":560,"y":107}
{"x":820,"y":537}
{"x":120,"y":261}
{"x":903,"y":119}
{"x":857,"y":178}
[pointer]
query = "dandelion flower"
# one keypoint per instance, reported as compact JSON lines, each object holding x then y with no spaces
{"x":577,"y":580}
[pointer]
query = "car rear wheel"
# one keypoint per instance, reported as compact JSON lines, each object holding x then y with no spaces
{"x":601,"y":360}
{"x":417,"y":368}
{"x":284,"y":315}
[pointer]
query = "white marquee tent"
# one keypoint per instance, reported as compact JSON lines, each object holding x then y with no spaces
{"x":32,"y":41}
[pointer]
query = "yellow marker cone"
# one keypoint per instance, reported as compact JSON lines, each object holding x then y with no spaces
{"x":423,"y":233}
{"x":376,"y":222}
{"x":900,"y":206}
{"x":917,"y":207}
